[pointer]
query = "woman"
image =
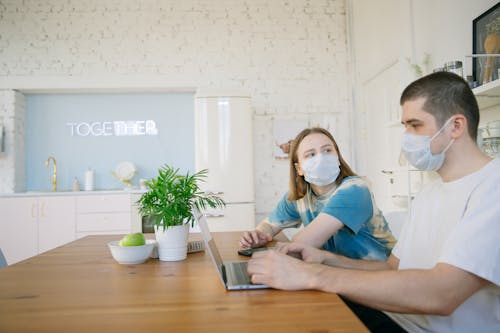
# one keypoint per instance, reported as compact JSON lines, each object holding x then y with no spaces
{"x":335,"y":206}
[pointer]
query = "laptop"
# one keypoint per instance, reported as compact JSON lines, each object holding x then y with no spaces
{"x":233,"y":274}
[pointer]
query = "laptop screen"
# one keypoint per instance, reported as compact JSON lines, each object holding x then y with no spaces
{"x":234,"y":283}
{"x":209,"y":241}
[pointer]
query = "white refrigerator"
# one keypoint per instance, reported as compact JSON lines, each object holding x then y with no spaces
{"x":224,"y":146}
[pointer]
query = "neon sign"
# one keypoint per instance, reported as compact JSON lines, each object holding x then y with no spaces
{"x":113,"y":128}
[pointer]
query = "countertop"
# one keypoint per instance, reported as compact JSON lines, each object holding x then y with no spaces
{"x":69,"y":192}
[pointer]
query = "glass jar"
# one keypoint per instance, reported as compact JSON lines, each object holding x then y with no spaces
{"x":454,"y":67}
{"x":491,"y":147}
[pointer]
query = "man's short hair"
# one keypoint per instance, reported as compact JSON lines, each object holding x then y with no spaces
{"x":445,"y":94}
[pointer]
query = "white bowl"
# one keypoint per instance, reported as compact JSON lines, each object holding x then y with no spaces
{"x":131,"y":254}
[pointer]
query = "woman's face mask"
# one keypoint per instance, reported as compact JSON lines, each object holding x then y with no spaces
{"x":321,"y":170}
{"x":417,"y":150}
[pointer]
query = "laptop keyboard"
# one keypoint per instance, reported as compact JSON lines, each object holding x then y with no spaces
{"x":239,"y":272}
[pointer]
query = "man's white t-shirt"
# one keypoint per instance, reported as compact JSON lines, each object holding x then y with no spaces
{"x":457,"y":223}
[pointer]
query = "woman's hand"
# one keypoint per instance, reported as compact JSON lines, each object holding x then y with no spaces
{"x":255,"y":238}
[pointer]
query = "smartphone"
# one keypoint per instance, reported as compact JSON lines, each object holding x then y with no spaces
{"x":248,"y":252}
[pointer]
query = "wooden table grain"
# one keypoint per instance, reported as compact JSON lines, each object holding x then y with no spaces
{"x":80,"y":288}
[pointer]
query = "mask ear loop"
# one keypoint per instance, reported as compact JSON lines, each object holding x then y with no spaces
{"x":448,"y":146}
{"x":440,"y":130}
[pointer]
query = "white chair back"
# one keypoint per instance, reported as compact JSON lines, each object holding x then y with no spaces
{"x":3,"y":262}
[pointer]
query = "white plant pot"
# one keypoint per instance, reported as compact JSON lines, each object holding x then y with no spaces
{"x":172,"y":242}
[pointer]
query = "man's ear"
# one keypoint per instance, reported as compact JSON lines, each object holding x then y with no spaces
{"x":459,"y":126}
{"x":299,"y":170}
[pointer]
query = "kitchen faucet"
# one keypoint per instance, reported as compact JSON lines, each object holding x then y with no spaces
{"x":54,"y":172}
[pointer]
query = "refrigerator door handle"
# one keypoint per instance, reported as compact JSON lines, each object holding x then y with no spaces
{"x":212,"y":193}
{"x":214,"y":214}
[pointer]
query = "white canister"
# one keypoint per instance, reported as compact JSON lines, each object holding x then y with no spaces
{"x":89,"y":180}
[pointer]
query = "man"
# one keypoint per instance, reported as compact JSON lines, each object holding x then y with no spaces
{"x":444,"y":273}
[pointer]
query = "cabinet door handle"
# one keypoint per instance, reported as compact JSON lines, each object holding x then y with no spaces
{"x":42,"y":210}
{"x":34,"y":208}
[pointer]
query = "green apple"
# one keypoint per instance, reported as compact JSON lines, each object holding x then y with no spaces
{"x":135,"y":239}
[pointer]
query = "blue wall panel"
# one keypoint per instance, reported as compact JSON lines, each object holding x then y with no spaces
{"x":48,"y":133}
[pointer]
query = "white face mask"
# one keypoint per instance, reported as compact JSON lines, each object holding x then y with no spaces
{"x":417,"y":150}
{"x":321,"y":169}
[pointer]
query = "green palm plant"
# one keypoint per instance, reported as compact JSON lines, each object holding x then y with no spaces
{"x":172,"y":196}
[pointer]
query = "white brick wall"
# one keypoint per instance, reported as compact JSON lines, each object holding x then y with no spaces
{"x":290,"y":55}
{"x":12,"y":110}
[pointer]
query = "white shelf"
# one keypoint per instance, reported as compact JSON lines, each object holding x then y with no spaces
{"x":488,"y":94}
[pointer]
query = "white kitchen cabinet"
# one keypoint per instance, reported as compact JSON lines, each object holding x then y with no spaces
{"x":31,"y":225}
{"x":18,"y":228}
{"x":104,"y":214}
{"x":56,"y":222}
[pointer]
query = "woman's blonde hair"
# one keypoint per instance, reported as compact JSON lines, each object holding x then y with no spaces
{"x":298,"y":185}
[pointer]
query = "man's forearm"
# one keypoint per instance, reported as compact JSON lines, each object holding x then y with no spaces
{"x":435,"y":291}
{"x":332,"y":259}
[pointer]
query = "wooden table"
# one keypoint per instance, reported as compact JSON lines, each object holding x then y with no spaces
{"x":80,"y":288}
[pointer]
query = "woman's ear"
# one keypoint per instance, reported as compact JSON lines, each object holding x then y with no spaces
{"x":299,"y":170}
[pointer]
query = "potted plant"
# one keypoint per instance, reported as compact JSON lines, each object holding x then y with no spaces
{"x":169,"y":204}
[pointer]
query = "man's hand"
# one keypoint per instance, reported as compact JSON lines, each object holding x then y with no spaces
{"x":256,"y":238}
{"x":302,"y":251}
{"x":280,"y":271}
